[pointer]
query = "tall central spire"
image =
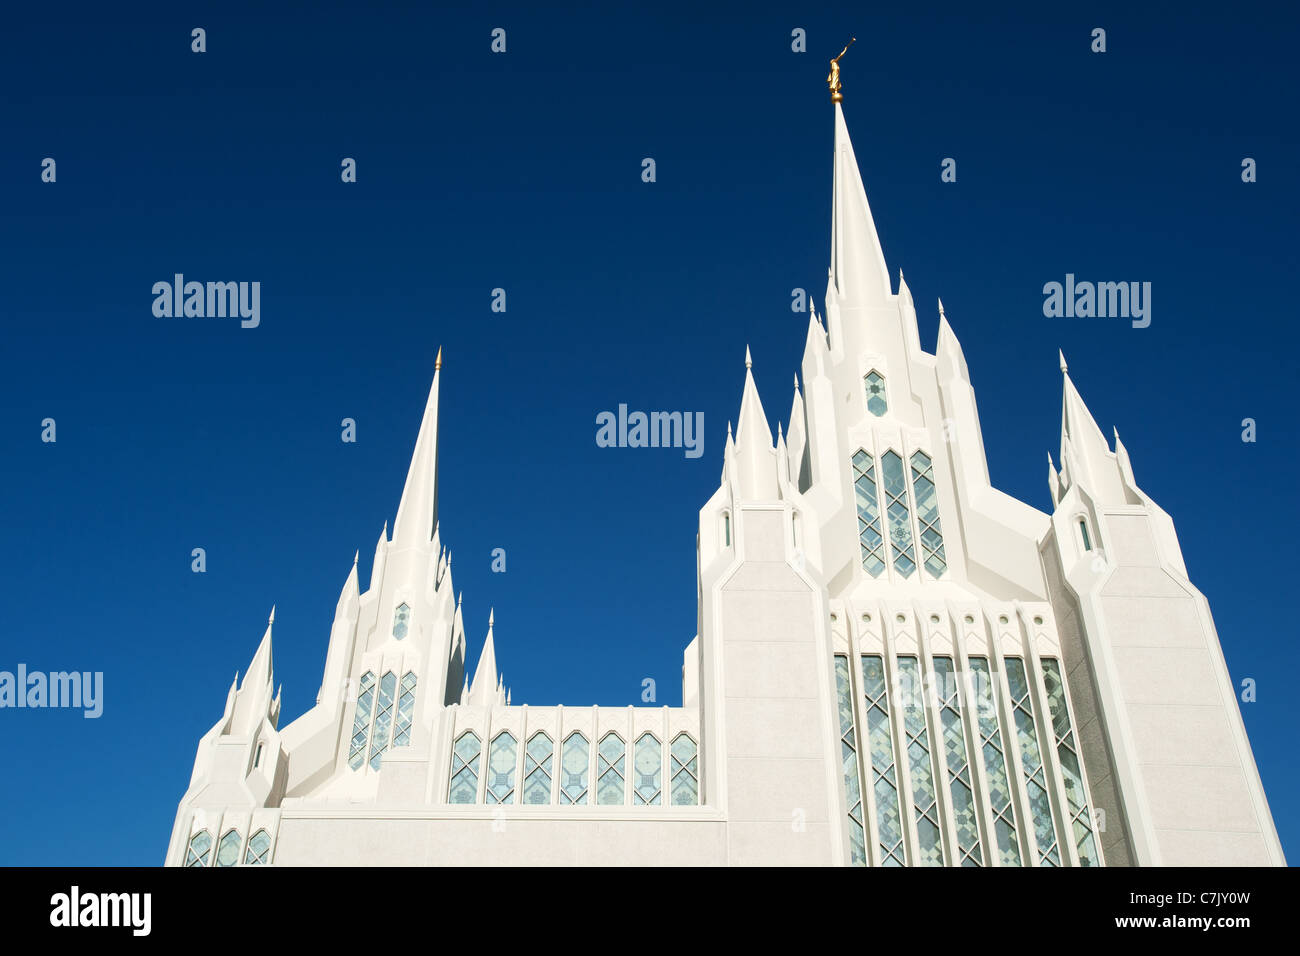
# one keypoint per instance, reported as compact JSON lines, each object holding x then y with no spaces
{"x":417,"y":514}
{"x":858,"y":271}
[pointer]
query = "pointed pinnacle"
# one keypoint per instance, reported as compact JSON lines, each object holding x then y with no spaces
{"x":941,"y":315}
{"x":491,"y":616}
{"x":356,"y":557}
{"x":271,"y":620}
{"x":460,"y":597}
{"x":728,"y":428}
{"x":796,"y":381}
{"x":1064,"y":367}
{"x":749,"y":362}
{"x":1050,"y":463}
{"x":437,"y":363}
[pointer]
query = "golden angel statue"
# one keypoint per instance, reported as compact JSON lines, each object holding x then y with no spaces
{"x":834,"y":79}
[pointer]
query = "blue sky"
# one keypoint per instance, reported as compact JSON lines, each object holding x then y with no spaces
{"x":522,"y":171}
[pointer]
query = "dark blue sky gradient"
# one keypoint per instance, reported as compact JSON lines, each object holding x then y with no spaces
{"x":523,"y":171}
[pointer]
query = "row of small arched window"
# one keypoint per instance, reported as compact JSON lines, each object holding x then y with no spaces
{"x":257,"y":853}
{"x":373,"y":726}
{"x":569,"y":783}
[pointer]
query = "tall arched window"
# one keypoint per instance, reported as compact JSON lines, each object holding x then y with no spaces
{"x":849,"y":762}
{"x":405,"y":712}
{"x":575,"y":762}
{"x":401,"y":621}
{"x":361,"y":723}
{"x":920,"y":762}
{"x":228,"y":848}
{"x":995,"y":763}
{"x":927,"y":514}
{"x":259,"y":849}
{"x":610,"y":758}
{"x":501,"y":769}
{"x":1031,"y":759}
{"x":199,"y":848}
{"x":959,"y":772}
{"x":538,"y":756}
{"x":900,"y":520}
{"x":866,"y":494}
{"x":685,"y":771}
{"x":383,"y":719}
{"x":877,"y":401}
{"x":464,"y":768}
{"x":1076,"y":793}
{"x":880,"y":741}
{"x":648,"y":762}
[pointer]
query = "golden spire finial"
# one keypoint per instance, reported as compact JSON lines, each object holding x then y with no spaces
{"x":437,"y":363}
{"x":834,"y":79}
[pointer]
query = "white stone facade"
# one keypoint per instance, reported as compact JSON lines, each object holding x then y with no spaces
{"x":895,"y":662}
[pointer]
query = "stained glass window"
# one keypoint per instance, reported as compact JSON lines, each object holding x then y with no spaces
{"x":609,"y":770}
{"x":200,"y":847}
{"x":849,"y":763}
{"x":1067,"y":752}
{"x":401,"y":621}
{"x":995,"y":764}
{"x":464,"y":768}
{"x":228,"y":848}
{"x":877,"y":401}
{"x":866,"y":494}
{"x":927,"y":514}
{"x":538,"y":756}
{"x":889,"y":820}
{"x":1040,"y":804}
{"x":259,"y":849}
{"x":920,"y":763}
{"x":575,"y":762}
{"x":361,"y":723}
{"x":383,"y":719}
{"x":648,"y":763}
{"x":405,"y":712}
{"x":960,"y":791}
{"x":501,"y":769}
{"x":900,"y":521}
{"x":685,"y":771}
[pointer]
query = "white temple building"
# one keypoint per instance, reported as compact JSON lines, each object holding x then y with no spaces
{"x":895,"y":663}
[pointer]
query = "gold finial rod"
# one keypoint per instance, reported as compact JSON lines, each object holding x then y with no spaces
{"x":834,"y":79}
{"x":437,"y":363}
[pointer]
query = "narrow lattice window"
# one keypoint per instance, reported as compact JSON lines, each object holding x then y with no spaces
{"x":896,"y":507}
{"x":927,"y":514}
{"x":920,"y":762}
{"x":877,"y":402}
{"x":501,"y":769}
{"x":538,"y":756}
{"x":1083,"y":532}
{"x":405,"y":712}
{"x":685,"y":771}
{"x":648,"y":763}
{"x":228,"y":848}
{"x":867,"y":496}
{"x":383,"y":720}
{"x":361,"y":723}
{"x":575,"y":761}
{"x":1067,"y":751}
{"x":995,"y":763}
{"x":259,"y":849}
{"x":199,"y":848}
{"x":464,"y":768}
{"x":401,"y":621}
{"x":610,"y":758}
{"x":726,"y":529}
{"x":849,"y":762}
{"x":965,"y":814}
{"x":880,"y":740}
{"x":1031,"y":759}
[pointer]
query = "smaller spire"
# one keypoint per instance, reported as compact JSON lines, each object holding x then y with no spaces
{"x":271,"y":619}
{"x":1064,"y":367}
{"x":749,"y":362}
{"x":459,"y":598}
{"x":437,"y":363}
{"x":356,"y":557}
{"x":728,"y":429}
{"x":941,"y":315}
{"x":492,"y":617}
{"x":796,"y":381}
